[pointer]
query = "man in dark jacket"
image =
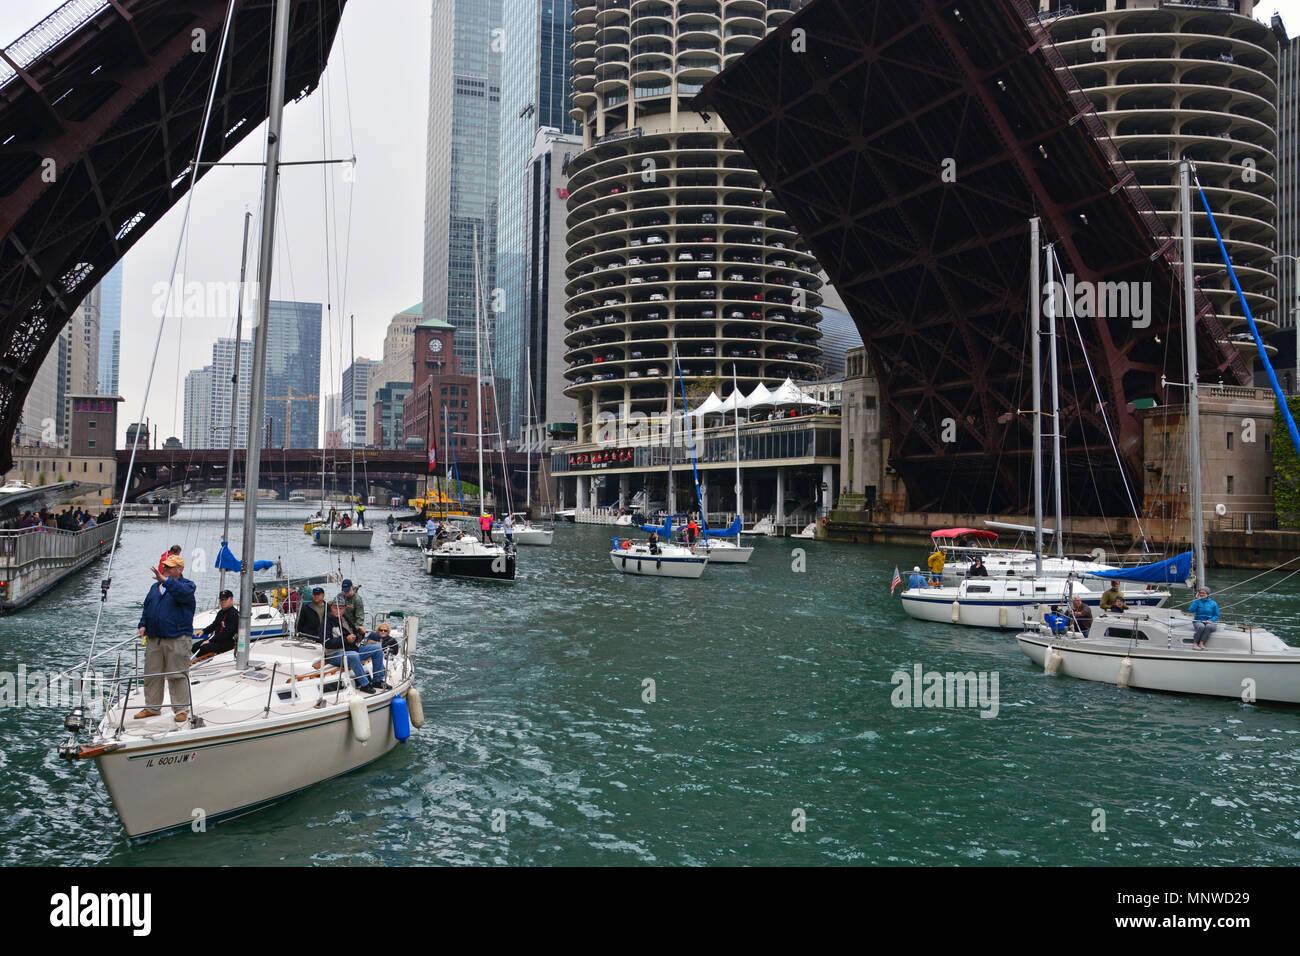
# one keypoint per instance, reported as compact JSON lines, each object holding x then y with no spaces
{"x":311,"y":619}
{"x":343,"y":640}
{"x":167,"y":626}
{"x":222,"y":633}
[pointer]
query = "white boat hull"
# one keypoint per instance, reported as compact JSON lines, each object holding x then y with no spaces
{"x":1207,"y":672}
{"x":728,"y":554}
{"x":217,"y":773}
{"x":408,"y":537}
{"x":532,"y":537}
{"x":659,"y":566}
{"x":342,"y":537}
{"x":1003,"y":612}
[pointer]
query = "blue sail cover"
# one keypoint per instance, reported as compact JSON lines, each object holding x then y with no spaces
{"x":665,"y":532}
{"x":226,"y":561}
{"x":1175,"y":570}
{"x":730,"y":531}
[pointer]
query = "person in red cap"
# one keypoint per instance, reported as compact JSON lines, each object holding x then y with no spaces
{"x":173,"y":550}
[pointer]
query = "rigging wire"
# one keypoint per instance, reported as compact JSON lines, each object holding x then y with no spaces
{"x":162,"y":322}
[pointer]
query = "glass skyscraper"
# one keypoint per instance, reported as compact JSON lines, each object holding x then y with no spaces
{"x":468,"y":46}
{"x":534,"y":94}
{"x":293,"y":372}
{"x":110,"y":329}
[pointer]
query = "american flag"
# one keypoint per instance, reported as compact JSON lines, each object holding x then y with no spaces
{"x":898,"y":579}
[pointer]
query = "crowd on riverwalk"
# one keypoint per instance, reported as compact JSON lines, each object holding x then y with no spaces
{"x":68,"y":520}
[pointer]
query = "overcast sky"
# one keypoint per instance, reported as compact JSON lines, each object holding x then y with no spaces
{"x":383,"y":49}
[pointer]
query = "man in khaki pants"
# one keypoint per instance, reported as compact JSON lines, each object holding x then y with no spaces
{"x":167,"y":625}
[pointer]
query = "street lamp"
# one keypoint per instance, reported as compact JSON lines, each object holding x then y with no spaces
{"x":1296,"y":290}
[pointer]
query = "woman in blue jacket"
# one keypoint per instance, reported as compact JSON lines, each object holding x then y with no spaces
{"x":1204,"y":613}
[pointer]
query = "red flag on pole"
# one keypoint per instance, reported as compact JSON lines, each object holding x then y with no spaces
{"x":433,"y":458}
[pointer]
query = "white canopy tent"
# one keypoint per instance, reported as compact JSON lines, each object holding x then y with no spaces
{"x":790,"y":394}
{"x":761,"y":395}
{"x":710,"y":406}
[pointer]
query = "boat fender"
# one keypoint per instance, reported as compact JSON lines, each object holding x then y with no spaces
{"x":1053,"y":662}
{"x":360,"y":719}
{"x":416,"y":708}
{"x":401,"y":719}
{"x":659,"y":564}
{"x":1002,"y":615}
{"x":956,"y":612}
{"x":1125,"y":672}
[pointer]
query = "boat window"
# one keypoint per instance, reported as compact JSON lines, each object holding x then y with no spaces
{"x":1126,"y":633}
{"x":1042,"y":590}
{"x":978,"y":590}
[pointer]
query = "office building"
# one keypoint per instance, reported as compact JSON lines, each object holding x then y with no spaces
{"x":396,"y":363}
{"x":223,"y":371}
{"x":293,"y":375}
{"x":468,"y":44}
{"x":356,"y":386}
{"x":386,"y":415}
{"x":110,"y":329}
{"x":534,"y":97}
{"x":198,"y":408}
{"x":442,"y":406}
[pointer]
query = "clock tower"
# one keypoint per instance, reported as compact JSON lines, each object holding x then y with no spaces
{"x":432,"y":350}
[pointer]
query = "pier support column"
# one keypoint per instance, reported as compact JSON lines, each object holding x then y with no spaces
{"x":582,"y":493}
{"x":828,"y":482}
{"x":780,"y":496}
{"x":622,"y":491}
{"x":704,"y":494}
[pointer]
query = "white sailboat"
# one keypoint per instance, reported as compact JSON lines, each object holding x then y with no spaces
{"x":1011,"y":601}
{"x":465,"y":555}
{"x":257,"y":731}
{"x":1155,"y":650}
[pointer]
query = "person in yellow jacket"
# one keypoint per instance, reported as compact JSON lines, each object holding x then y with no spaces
{"x":935,"y":563}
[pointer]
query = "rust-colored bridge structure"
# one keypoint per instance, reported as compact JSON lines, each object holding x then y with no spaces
{"x":101,"y":106}
{"x":300,"y":468}
{"x":853,"y":111}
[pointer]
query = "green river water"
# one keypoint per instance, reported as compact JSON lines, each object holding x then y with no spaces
{"x":772,"y":738}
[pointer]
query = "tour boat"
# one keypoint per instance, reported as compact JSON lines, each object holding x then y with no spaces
{"x":668,"y":561}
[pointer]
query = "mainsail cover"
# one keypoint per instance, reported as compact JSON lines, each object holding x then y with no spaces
{"x":730,"y":531}
{"x":665,"y":532}
{"x":226,"y":561}
{"x":1175,"y":570}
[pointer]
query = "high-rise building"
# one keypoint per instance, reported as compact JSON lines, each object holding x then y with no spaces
{"x":356,"y":386}
{"x":1288,"y":198}
{"x":395,"y":365}
{"x":1198,"y":80}
{"x":386,"y":415}
{"x":534,"y":96}
{"x":467,"y":47}
{"x":38,"y":423}
{"x":553,"y":413}
{"x":332,"y":406}
{"x":198,"y":408}
{"x":110,"y":329}
{"x":293,"y":374}
{"x":674,"y":244}
{"x":80,"y":354}
{"x":223,"y":371}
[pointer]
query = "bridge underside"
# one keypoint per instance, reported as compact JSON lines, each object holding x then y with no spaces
{"x":98,"y":135}
{"x":854,"y":111}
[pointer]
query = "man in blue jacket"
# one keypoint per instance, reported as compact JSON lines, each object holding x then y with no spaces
{"x":167,"y":626}
{"x":1204,"y":611}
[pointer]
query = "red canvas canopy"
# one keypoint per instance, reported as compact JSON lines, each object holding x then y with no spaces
{"x":958,"y":532}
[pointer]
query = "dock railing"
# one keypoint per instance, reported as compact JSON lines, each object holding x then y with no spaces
{"x":25,"y":546}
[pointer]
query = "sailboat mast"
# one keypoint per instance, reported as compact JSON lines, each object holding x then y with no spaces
{"x":1035,"y":378}
{"x":1059,"y":537}
{"x":234,"y":393}
{"x":740,"y":487}
{"x":266,"y":255}
{"x":1193,"y":400}
{"x":528,"y":466}
{"x":478,"y":369}
{"x":672,"y":491}
{"x":352,"y":412}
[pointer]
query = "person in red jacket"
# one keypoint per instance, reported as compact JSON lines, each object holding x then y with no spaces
{"x":485,"y":526}
{"x":173,"y":551}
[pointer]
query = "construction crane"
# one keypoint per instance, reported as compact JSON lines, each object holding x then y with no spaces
{"x":288,"y":410}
